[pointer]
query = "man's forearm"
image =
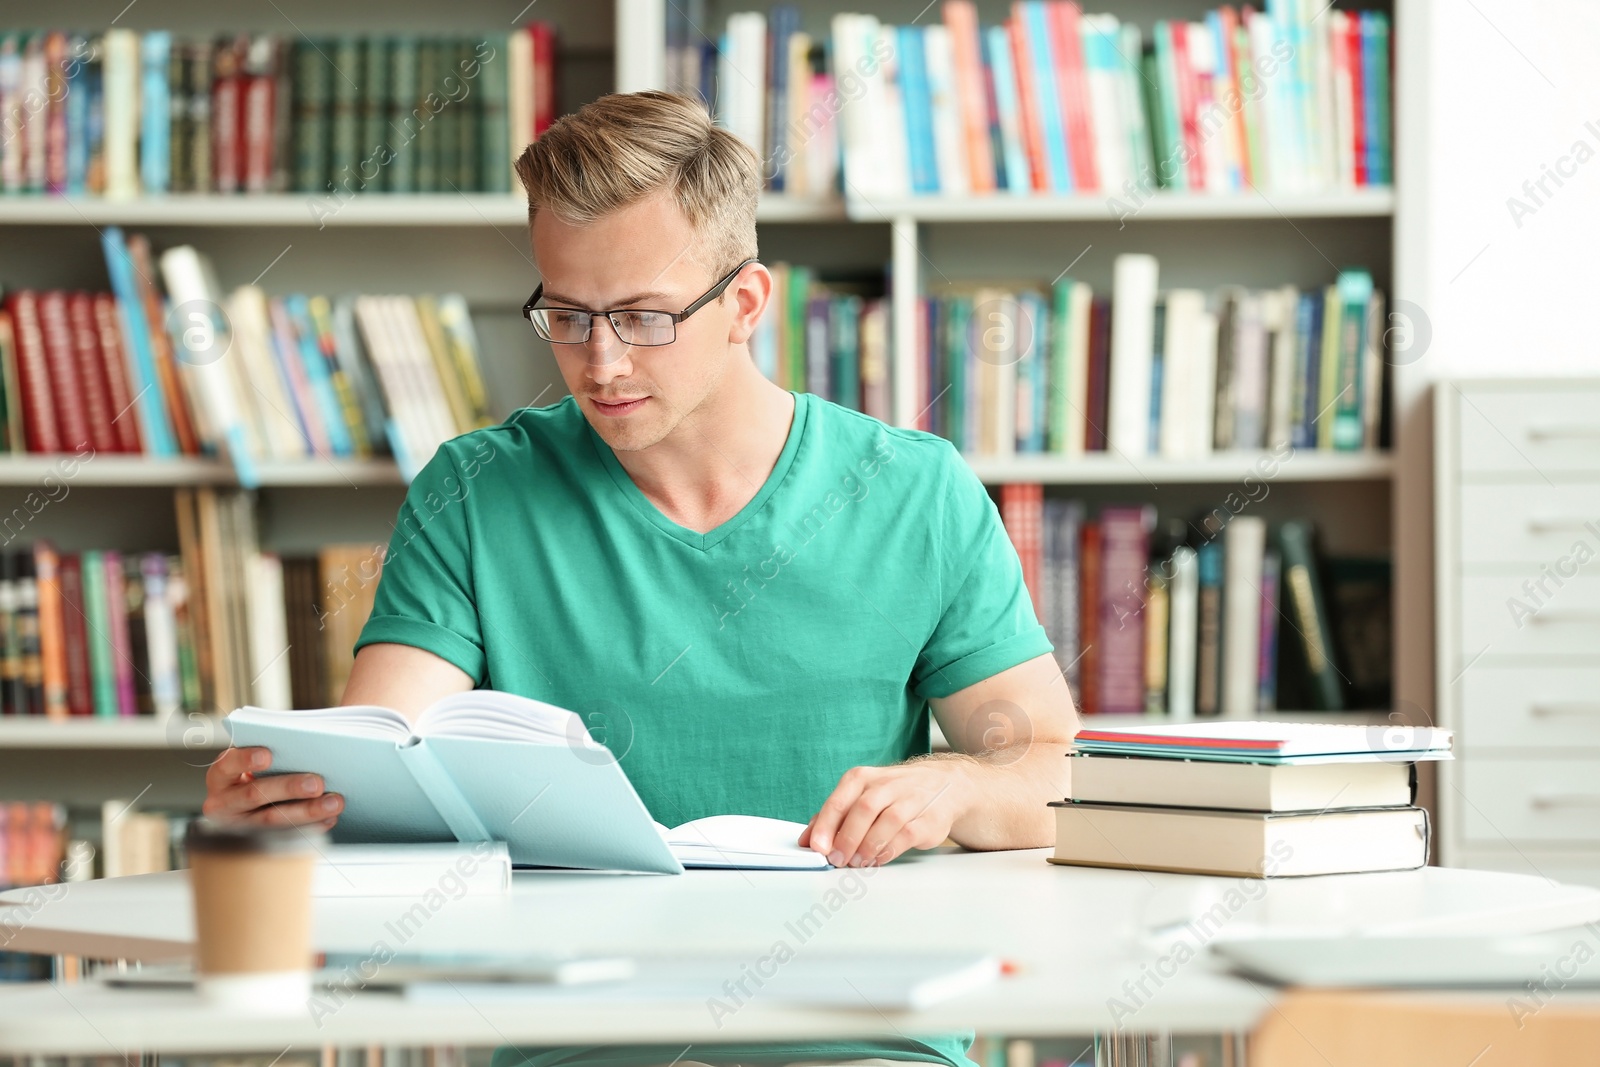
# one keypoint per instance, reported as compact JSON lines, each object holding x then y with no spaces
{"x":1006,"y":795}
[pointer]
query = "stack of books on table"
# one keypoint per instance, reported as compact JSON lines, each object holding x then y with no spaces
{"x":1248,"y":799}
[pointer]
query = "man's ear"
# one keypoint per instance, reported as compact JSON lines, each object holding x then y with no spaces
{"x":750,"y":293}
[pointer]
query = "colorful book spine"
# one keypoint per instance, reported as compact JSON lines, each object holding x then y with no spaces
{"x":1124,"y":556}
{"x":154,"y":421}
{"x":101,"y":641}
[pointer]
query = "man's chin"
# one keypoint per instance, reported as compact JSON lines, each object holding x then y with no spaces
{"x":625,"y":437}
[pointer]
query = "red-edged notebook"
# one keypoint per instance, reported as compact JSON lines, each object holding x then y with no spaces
{"x":1281,"y":739}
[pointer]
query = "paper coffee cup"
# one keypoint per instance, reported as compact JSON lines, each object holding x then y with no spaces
{"x":252,"y":913}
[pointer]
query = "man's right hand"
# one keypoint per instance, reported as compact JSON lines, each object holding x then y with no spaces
{"x":235,"y":794}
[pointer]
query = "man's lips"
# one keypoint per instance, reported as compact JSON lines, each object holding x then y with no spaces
{"x":618,"y":405}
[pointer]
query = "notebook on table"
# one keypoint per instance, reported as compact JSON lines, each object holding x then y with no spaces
{"x":491,"y":766}
{"x":1270,"y":742}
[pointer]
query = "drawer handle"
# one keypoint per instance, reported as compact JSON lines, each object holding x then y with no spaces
{"x":1539,"y":526}
{"x":1562,"y":433}
{"x":1568,"y":618}
{"x":1547,"y":801}
{"x":1545,"y":711}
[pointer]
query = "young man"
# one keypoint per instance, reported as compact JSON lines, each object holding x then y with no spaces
{"x":754,"y":595}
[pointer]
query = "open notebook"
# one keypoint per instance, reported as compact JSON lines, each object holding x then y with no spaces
{"x":490,"y":766}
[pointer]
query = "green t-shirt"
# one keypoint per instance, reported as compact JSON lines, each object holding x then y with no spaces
{"x":737,"y":671}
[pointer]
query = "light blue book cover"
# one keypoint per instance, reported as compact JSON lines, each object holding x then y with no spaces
{"x":154,"y":424}
{"x":77,"y":116}
{"x":557,"y":802}
{"x":917,"y":102}
{"x":1052,"y":123}
{"x":1014,"y":157}
{"x":316,"y":371}
{"x":155,"y":155}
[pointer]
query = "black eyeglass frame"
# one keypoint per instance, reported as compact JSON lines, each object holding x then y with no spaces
{"x":676,"y":316}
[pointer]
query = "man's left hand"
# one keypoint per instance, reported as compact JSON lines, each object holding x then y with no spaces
{"x":876,"y":813}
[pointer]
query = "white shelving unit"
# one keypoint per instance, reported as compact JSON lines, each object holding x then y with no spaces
{"x":475,"y":243}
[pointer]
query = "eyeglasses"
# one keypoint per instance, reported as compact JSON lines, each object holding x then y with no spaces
{"x":634,"y":326}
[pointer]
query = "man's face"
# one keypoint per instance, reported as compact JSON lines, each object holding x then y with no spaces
{"x":645,"y":256}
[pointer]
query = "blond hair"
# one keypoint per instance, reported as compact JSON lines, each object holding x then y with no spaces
{"x":625,"y":147}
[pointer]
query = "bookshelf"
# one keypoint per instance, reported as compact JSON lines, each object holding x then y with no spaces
{"x":476,"y":244}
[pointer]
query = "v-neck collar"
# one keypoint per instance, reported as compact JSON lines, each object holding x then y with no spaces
{"x":693,"y":538}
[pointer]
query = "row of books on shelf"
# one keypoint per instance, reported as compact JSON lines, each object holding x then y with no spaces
{"x":1053,"y":100}
{"x":191,"y":371}
{"x":1177,"y":374}
{"x":1219,"y":617}
{"x":124,"y":113}
{"x":827,"y":338}
{"x":112,"y":635}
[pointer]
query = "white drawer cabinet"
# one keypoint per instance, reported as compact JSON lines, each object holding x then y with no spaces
{"x":1524,"y":428}
{"x":1512,"y":709}
{"x":1539,"y":524}
{"x":1517,"y":581}
{"x":1532,"y":800}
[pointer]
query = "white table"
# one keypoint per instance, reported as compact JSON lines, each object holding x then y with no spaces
{"x":1077,"y":935}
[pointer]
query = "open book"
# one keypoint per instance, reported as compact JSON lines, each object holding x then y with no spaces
{"x":490,"y":766}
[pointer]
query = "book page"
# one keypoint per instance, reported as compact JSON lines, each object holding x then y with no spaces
{"x":362,"y":720}
{"x":496,"y":716}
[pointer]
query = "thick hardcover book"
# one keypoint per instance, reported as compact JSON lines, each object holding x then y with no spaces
{"x":1072,"y":79}
{"x":172,"y":384}
{"x":1099,"y":374}
{"x":258,"y":113}
{"x":1355,"y":300}
{"x":1208,"y":668}
{"x":200,"y":169}
{"x":1200,"y":783}
{"x":1022,"y":513}
{"x":344,"y":159}
{"x":545,"y":107}
{"x":1064,"y":520}
{"x":467,"y":116}
{"x":13,"y":696}
{"x":1156,"y":629}
{"x":1267,"y":678}
{"x":122,"y":661}
{"x":62,"y":359}
{"x":33,"y":376}
{"x":1240,"y":843}
{"x":372,"y":172}
{"x":426,"y":147}
{"x":101,"y":644}
{"x":227,"y":134}
{"x":1183,"y":641}
{"x":1307,"y":607}
{"x":488,"y":766}
{"x":91,"y":372}
{"x":27,"y":633}
{"x":54,"y":113}
{"x":1089,"y":578}
{"x":160,"y":636}
{"x":134,"y":607}
{"x":1244,"y":545}
{"x":146,"y":377}
{"x":155,"y":109}
{"x":1124,"y":556}
{"x":494,"y":118}
{"x":312,"y":94}
{"x":75,"y":637}
{"x":125,"y":418}
{"x":52,"y":632}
